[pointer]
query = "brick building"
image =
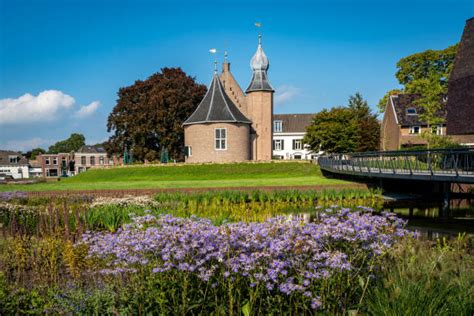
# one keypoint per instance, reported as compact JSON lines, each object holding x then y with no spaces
{"x":402,"y":126}
{"x":230,"y":126}
{"x":57,"y":165}
{"x":460,"y":106}
{"x":91,"y":157}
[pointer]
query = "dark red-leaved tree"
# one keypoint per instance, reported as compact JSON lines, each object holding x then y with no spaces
{"x":149,"y":115}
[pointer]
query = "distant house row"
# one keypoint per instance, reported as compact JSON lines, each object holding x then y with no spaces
{"x":70,"y":164}
{"x":14,"y":165}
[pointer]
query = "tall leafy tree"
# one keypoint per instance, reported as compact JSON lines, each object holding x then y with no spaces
{"x":73,"y":143}
{"x":344,"y":129}
{"x":149,"y":114}
{"x":415,"y":69}
{"x":332,"y":131}
{"x":368,"y":127}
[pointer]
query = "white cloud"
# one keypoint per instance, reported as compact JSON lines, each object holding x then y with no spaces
{"x":285,"y":94}
{"x":26,"y":144}
{"x":87,"y":110}
{"x":29,"y":108}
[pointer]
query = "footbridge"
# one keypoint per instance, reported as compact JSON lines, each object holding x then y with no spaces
{"x":438,"y":165}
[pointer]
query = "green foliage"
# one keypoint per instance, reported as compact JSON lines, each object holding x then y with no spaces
{"x":422,"y":65}
{"x":368,"y":127}
{"x":49,"y":274}
{"x":383,"y":102}
{"x":425,"y":279}
{"x":69,"y":218}
{"x":332,"y":131}
{"x":34,"y":152}
{"x":73,"y":143}
{"x":424,"y":73}
{"x":342,"y":129}
{"x":149,"y":115}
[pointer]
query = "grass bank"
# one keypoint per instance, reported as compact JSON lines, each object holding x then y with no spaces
{"x":188,"y":176}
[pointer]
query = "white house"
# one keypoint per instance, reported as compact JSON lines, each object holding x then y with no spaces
{"x":288,"y":133}
{"x":13,"y":165}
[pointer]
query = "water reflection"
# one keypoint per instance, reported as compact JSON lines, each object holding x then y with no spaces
{"x":428,"y":219}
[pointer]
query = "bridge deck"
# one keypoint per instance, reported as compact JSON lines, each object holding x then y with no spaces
{"x":446,"y":165}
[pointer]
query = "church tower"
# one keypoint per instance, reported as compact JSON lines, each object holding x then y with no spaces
{"x":260,"y":106}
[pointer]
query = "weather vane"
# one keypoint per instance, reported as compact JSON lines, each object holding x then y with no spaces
{"x":259,"y":25}
{"x":214,"y":51}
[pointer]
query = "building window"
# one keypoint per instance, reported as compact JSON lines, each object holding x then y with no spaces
{"x":55,"y":161}
{"x":277,"y":126}
{"x":46,"y":161}
{"x":83,"y":160}
{"x":278,"y":144}
{"x":188,"y":151}
{"x":13,"y":159}
{"x":221,"y":139}
{"x":51,"y":172}
{"x":297,"y":157}
{"x":415,"y":130}
{"x":437,"y":129}
{"x":297,"y":144}
{"x":101,"y":160}
{"x":411,"y":111}
{"x":92,"y":160}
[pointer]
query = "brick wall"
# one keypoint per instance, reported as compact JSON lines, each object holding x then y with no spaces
{"x":260,"y":112}
{"x":201,"y":139}
{"x":460,"y":106}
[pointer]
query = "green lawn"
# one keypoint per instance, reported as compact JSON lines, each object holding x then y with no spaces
{"x":188,"y":176}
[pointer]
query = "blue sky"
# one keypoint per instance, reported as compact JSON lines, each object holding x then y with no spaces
{"x":62,"y":62}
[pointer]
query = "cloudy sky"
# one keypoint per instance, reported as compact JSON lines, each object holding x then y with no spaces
{"x":62,"y":62}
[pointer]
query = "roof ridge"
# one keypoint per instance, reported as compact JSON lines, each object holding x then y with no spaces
{"x":225,"y":101}
{"x":212,"y":97}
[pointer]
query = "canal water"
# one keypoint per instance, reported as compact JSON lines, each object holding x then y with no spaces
{"x":425,"y":216}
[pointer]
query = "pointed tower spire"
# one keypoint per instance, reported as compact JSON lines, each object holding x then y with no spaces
{"x":216,"y":106}
{"x":259,"y":64}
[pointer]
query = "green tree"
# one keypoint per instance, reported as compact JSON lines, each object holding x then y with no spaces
{"x":368,"y":127}
{"x":333,"y":131}
{"x":32,"y":154}
{"x":383,"y":102}
{"x":414,"y":69}
{"x":73,"y":143}
{"x":438,"y":63}
{"x":344,"y":129}
{"x":149,"y":115}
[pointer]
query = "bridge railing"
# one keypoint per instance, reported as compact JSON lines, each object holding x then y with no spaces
{"x":454,"y":162}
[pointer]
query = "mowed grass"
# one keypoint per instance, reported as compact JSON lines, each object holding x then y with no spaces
{"x":188,"y":176}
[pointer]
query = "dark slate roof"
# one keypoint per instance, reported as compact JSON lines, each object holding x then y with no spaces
{"x":259,"y":82}
{"x":216,"y":106}
{"x":5,"y":158}
{"x":294,"y":123}
{"x":402,"y":102}
{"x":87,"y":149}
{"x":464,"y":63}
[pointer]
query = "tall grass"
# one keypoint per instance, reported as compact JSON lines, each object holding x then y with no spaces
{"x":425,"y":279}
{"x":71,"y":216}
